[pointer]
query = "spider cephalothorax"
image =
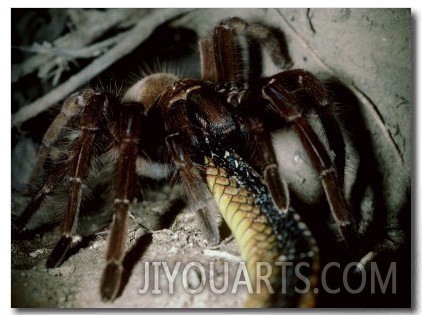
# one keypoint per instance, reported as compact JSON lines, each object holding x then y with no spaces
{"x":215,"y":133}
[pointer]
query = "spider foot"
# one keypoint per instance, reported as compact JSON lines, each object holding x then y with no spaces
{"x":348,"y":234}
{"x":111,"y":280}
{"x":390,"y":246}
{"x":59,"y":252}
{"x":208,"y":226}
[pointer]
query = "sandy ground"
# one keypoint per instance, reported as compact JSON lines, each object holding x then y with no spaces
{"x":369,"y":51}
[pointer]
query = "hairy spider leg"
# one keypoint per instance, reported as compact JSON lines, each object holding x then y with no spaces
{"x":290,"y":110}
{"x":71,"y":107}
{"x":226,"y":57}
{"x":303,"y":82}
{"x":78,"y":166}
{"x":46,"y":189}
{"x":184,"y":134}
{"x":265,"y":159}
{"x":194,"y":116}
{"x":194,"y":185}
{"x":228,"y":52}
{"x":125,"y":191}
{"x":208,"y":67}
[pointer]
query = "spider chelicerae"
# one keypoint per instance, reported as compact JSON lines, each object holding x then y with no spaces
{"x":177,"y":122}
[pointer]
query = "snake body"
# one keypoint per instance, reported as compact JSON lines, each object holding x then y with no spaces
{"x":264,"y":234}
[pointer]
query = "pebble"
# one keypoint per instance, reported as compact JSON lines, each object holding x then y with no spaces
{"x":62,"y":271}
{"x":36,"y":253}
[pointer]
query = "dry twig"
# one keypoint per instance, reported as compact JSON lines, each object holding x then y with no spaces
{"x":132,"y":38}
{"x":97,"y":24}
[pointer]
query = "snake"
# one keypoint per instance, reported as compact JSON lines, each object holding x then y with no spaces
{"x":264,"y":234}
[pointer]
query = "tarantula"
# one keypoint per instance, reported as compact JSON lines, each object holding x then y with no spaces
{"x":232,"y":108}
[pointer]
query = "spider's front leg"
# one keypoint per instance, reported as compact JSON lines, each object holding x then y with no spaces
{"x":225,"y":58}
{"x":192,"y":115}
{"x":196,"y":190}
{"x":77,"y":172}
{"x":72,"y":107}
{"x":85,"y":109}
{"x":129,"y":129}
{"x":288,"y":106}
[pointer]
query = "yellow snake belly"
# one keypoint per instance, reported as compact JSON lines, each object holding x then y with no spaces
{"x":272,"y":243}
